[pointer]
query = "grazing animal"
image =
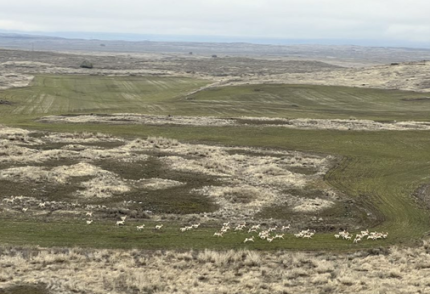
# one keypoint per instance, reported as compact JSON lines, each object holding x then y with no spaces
{"x":140,"y":228}
{"x":285,"y":228}
{"x":89,"y":222}
{"x":255,"y":227}
{"x":263,"y":234}
{"x":24,"y":209}
{"x":120,"y":223}
{"x":218,"y":234}
{"x":240,"y":227}
{"x":365,"y":233}
{"x":42,"y":204}
{"x":158,"y":227}
{"x":279,"y":236}
{"x":225,"y":229}
{"x":123,"y":218}
{"x":186,"y":228}
{"x":272,"y":229}
{"x":89,"y":213}
{"x":344,"y":234}
{"x":249,"y":239}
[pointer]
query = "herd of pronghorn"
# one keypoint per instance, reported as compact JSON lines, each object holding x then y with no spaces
{"x":358,"y":237}
{"x":268,"y":234}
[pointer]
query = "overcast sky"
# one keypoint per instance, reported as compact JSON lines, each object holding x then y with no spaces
{"x":391,"y":20}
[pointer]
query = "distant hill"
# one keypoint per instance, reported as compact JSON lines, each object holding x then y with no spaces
{"x":350,"y":53}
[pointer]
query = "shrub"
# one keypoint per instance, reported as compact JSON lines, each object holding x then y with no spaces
{"x":86,"y":64}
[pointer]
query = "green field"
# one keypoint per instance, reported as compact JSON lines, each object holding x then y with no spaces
{"x":381,"y":169}
{"x":69,"y":94}
{"x":168,"y":95}
{"x":298,"y":101}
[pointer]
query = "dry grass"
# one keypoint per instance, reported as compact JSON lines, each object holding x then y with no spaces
{"x":409,"y":76}
{"x":12,"y":80}
{"x":396,"y":270}
{"x":299,"y":123}
{"x":247,"y":179}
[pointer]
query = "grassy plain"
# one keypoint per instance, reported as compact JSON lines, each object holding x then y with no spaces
{"x":169,"y":95}
{"x":70,"y":94}
{"x":299,"y":101}
{"x":381,"y":169}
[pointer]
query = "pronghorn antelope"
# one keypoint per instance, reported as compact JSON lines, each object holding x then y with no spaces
{"x":285,"y":227}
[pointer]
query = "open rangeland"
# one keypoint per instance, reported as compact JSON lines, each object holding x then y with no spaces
{"x":165,"y":163}
{"x":317,"y":172}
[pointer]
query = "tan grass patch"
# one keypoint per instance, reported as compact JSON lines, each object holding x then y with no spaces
{"x":312,"y":205}
{"x":250,"y":178}
{"x":13,"y":79}
{"x":158,"y":184}
{"x":300,"y":123}
{"x":66,"y":270}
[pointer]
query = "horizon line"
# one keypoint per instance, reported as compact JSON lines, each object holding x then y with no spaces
{"x":133,"y":37}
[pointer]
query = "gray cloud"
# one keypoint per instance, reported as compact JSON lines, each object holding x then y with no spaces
{"x":298,"y":19}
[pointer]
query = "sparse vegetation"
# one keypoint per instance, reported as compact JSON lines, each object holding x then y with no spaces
{"x":132,"y":271}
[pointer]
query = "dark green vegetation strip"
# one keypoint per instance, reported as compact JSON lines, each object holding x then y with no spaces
{"x":26,"y":289}
{"x":380,"y":168}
